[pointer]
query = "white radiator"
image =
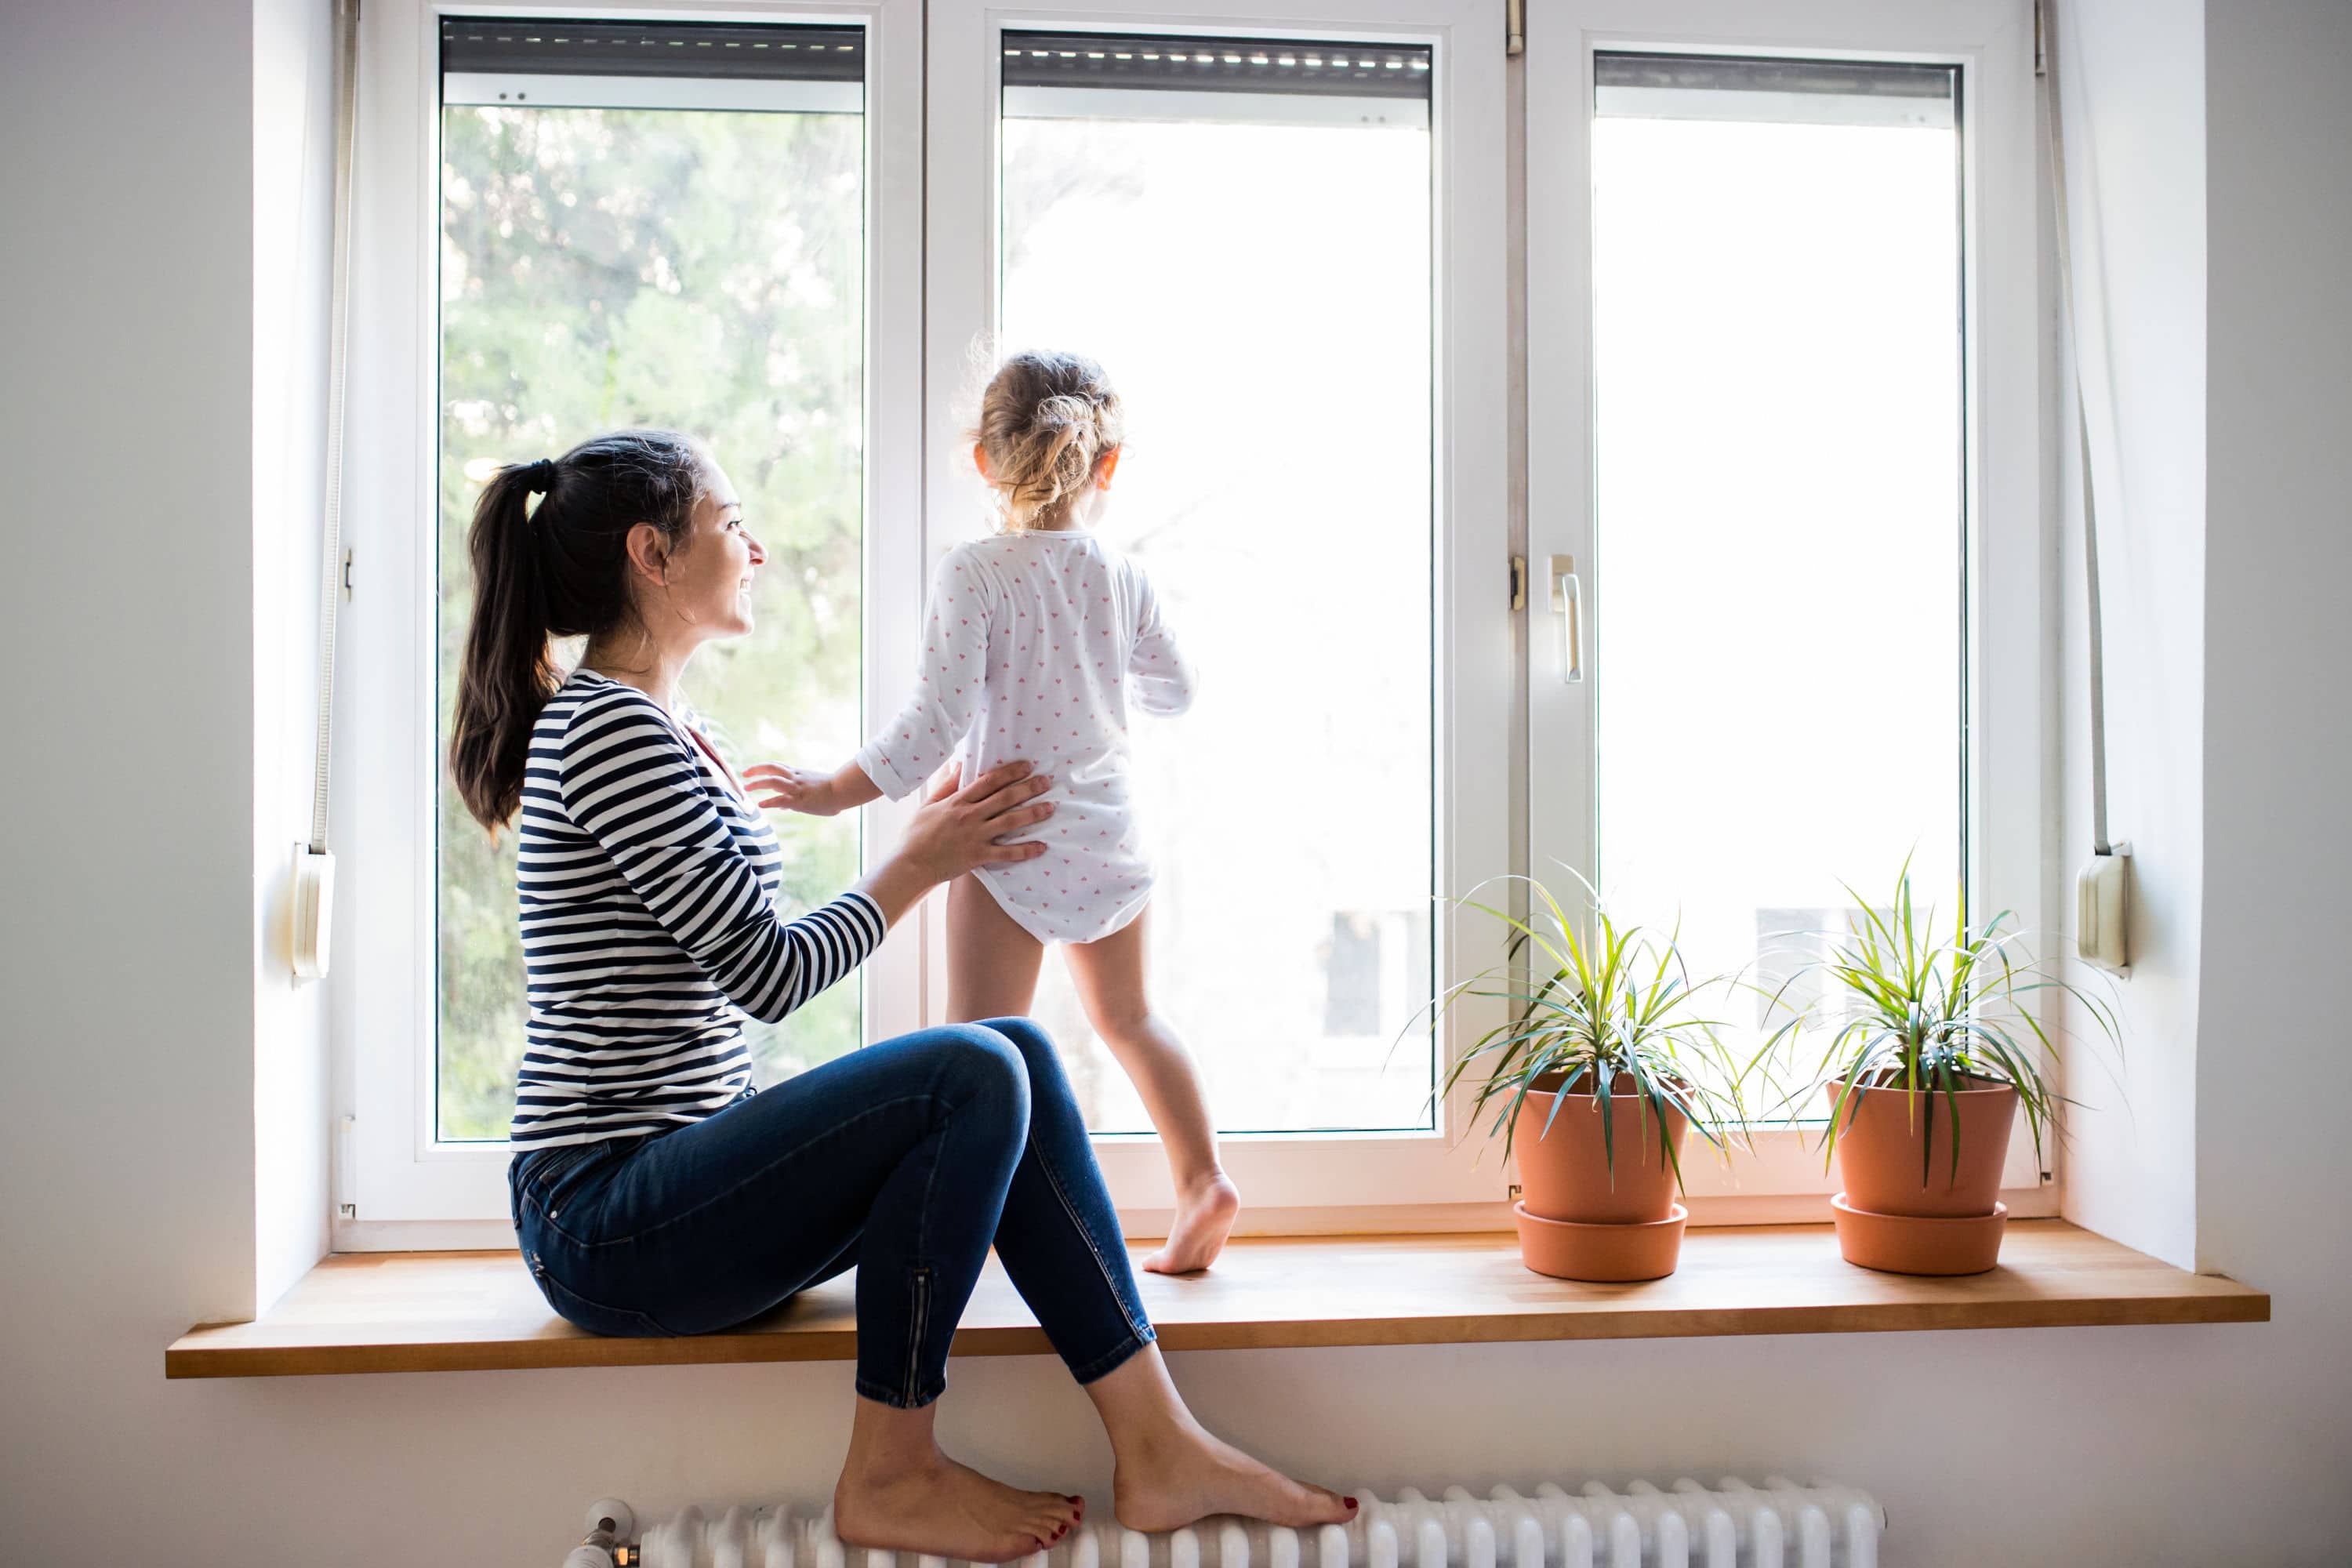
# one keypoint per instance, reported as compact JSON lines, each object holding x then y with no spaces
{"x":1728,"y":1525}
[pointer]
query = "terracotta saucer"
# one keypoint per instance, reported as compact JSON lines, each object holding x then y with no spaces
{"x":1605,"y":1254}
{"x":1911,"y":1244}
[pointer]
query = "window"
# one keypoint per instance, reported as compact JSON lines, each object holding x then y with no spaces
{"x":1778,"y":512}
{"x":1783,"y":470}
{"x":569,"y":224}
{"x":657,"y":225}
{"x":1287,"y":248}
{"x":1240,"y":229}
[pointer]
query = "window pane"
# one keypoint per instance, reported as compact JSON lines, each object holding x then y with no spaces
{"x":691,"y":269}
{"x":1251,"y":264}
{"x":1779,"y":535}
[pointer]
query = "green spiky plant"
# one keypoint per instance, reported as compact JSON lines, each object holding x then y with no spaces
{"x":1617,"y":1003}
{"x":1935,"y":1017}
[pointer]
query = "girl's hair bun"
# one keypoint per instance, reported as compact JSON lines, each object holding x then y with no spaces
{"x":1046,"y":420}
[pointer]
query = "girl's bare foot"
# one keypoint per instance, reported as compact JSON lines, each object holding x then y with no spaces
{"x":1204,"y":1214}
{"x":947,"y":1509}
{"x":1182,"y":1473}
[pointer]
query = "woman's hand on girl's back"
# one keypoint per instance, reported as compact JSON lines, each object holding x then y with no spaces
{"x":959,"y":826}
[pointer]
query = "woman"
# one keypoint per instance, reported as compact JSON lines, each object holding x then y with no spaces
{"x":654,"y":1191}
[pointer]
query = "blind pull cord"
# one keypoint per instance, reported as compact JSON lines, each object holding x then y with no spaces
{"x":2102,"y":889}
{"x":314,"y":875}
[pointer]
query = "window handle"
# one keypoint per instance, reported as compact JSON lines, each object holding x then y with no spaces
{"x":1568,"y":606}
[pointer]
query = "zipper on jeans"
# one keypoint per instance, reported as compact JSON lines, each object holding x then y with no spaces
{"x":921,"y":1321}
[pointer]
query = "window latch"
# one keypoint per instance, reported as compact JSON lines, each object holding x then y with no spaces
{"x":1568,"y":605}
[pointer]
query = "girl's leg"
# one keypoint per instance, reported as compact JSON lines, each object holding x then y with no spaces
{"x":1060,"y":1242}
{"x":992,"y":962}
{"x":1110,"y":975}
{"x":896,"y":1158}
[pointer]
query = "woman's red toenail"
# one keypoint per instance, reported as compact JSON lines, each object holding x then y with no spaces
{"x":1349,"y":1501}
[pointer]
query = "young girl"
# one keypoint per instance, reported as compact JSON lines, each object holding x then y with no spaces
{"x":1037,"y":643}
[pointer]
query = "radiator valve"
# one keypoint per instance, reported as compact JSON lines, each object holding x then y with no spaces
{"x":611,"y":1522}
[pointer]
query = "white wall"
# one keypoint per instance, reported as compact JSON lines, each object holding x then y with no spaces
{"x":2272,"y":1068}
{"x":133,"y":846}
{"x":293,"y":210}
{"x":2134,"y":85}
{"x":126,"y":251}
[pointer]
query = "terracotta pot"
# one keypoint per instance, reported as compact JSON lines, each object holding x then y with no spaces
{"x":1611,"y":1254}
{"x":1566,"y":1172}
{"x":1908,"y":1243}
{"x":1895,"y":1150}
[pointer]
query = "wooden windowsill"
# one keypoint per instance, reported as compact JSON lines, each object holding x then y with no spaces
{"x":468,"y":1312}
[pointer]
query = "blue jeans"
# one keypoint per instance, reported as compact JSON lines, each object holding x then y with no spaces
{"x":908,"y":1159}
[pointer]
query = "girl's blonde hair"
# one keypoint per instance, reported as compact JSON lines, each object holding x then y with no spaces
{"x":1046,"y":420}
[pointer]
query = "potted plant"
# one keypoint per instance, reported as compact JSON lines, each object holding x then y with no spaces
{"x":1597,"y":1079}
{"x":1935,"y":1056}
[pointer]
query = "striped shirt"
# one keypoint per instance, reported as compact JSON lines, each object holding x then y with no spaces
{"x":647,"y":885}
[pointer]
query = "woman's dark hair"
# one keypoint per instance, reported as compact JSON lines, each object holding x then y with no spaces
{"x":557,"y":570}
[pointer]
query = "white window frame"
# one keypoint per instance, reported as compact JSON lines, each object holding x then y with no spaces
{"x":1294,"y":1183}
{"x":396,"y":1186}
{"x":2011,"y":665}
{"x":932,"y":166}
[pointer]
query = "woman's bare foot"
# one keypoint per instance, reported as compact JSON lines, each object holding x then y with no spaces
{"x":947,"y":1509}
{"x":1182,"y":1474}
{"x":898,"y":1493}
{"x":1204,"y":1214}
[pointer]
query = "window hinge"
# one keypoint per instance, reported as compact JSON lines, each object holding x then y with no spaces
{"x":347,"y":575}
{"x":1511,"y":1192}
{"x":1515,"y":28}
{"x":2040,"y":21}
{"x":1519,"y":582}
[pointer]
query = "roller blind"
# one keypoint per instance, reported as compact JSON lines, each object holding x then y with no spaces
{"x":547,"y":63}
{"x":1783,"y":92}
{"x":1050,"y":75}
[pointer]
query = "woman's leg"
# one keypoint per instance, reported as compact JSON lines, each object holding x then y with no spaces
{"x":1060,"y":1241}
{"x":1111,"y":977}
{"x":992,"y":962}
{"x":1170,"y":1470}
{"x":897,"y":1492}
{"x":897,"y":1158}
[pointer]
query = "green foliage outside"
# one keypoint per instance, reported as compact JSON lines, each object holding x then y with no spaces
{"x":702,"y":272}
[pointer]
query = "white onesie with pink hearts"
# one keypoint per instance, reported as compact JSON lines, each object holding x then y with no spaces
{"x":1034,"y":645}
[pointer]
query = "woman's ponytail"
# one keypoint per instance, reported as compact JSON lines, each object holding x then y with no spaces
{"x":556,"y":570}
{"x":509,"y":670}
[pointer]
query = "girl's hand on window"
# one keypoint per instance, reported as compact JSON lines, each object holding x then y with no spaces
{"x":780,"y":786}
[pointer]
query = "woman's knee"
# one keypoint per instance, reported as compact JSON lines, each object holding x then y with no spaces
{"x":978,"y":1061}
{"x":1048,"y":1081}
{"x":1026,"y":1034}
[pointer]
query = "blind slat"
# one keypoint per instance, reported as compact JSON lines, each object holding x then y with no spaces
{"x":1727,"y":73}
{"x":489,"y":45}
{"x":1627,"y":85}
{"x":1130,"y":61}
